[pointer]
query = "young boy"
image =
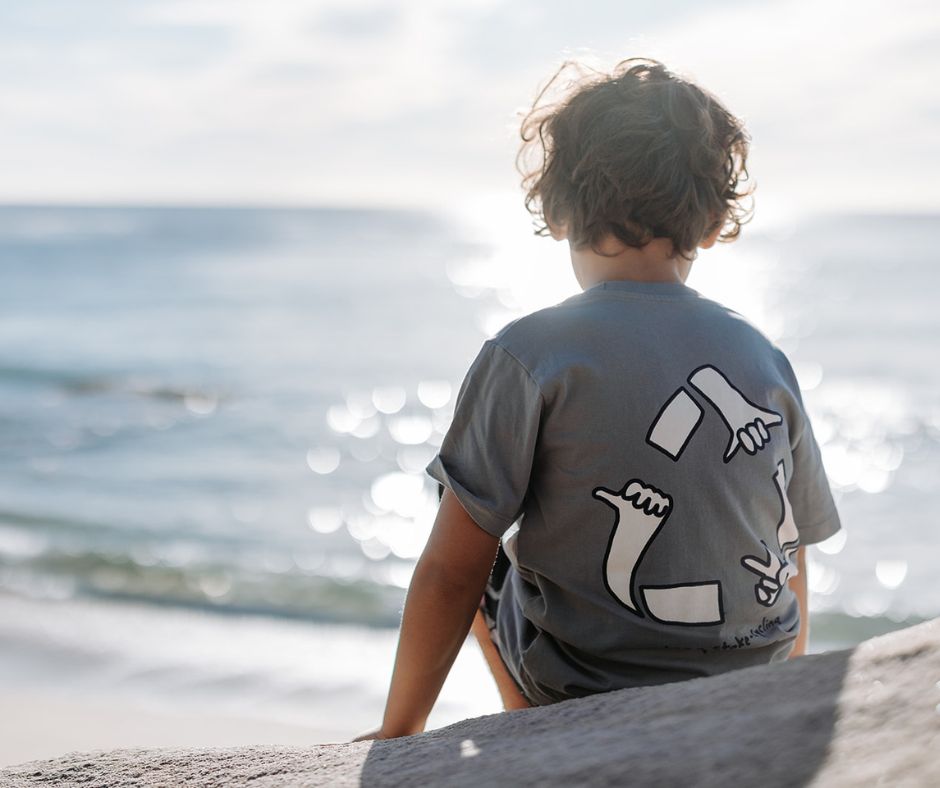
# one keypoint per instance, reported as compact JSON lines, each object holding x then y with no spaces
{"x":651,"y":444}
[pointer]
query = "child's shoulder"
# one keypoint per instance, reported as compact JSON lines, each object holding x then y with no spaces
{"x":528,"y":337}
{"x":526,"y":329}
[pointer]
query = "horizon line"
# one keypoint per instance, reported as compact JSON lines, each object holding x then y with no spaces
{"x":372,"y":207}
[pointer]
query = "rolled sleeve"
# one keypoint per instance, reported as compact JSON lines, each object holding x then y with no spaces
{"x":487,"y":455}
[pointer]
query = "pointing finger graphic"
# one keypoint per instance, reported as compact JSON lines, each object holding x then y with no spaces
{"x":749,"y":423}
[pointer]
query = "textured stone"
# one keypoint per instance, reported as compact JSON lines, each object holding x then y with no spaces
{"x":866,"y":716}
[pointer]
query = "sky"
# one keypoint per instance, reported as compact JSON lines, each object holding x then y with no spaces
{"x":415,"y":103}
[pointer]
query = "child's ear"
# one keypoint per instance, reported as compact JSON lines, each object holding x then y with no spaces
{"x":709,"y":240}
{"x":558,"y":231}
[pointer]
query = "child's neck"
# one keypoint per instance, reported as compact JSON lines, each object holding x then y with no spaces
{"x":651,"y":263}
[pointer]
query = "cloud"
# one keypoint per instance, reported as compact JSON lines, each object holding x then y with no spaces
{"x":405,"y":102}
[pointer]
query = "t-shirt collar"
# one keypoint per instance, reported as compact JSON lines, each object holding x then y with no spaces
{"x":645,"y":288}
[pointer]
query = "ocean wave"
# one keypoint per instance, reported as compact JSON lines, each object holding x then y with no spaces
{"x":12,"y":374}
{"x":186,"y":575}
{"x":196,"y":398}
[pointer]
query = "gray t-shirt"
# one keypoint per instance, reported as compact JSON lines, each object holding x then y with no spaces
{"x":654,"y":449}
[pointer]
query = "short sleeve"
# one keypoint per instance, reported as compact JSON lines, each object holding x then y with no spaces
{"x":814,"y":510}
{"x":487,"y":454}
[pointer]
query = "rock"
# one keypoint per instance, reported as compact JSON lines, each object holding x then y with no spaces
{"x":866,"y":716}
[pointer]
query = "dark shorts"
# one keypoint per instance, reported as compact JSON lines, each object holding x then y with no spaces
{"x":490,"y":604}
{"x":493,"y":591}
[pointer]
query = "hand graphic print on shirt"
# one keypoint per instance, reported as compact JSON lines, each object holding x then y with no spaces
{"x":749,"y":423}
{"x":774,"y":570}
{"x":676,"y":422}
{"x":642,"y":511}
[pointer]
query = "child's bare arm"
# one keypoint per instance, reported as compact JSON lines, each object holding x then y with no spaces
{"x":799,"y":587}
{"x":442,"y":600}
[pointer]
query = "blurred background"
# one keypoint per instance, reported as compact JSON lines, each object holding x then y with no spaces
{"x":247,"y":252}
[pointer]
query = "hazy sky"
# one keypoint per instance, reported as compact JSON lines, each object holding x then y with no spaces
{"x":350,"y":101}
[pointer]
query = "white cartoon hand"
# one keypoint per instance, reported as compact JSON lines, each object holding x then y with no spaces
{"x":773,"y":573}
{"x":753,"y":436}
{"x":645,"y":499}
{"x":641,"y":511}
{"x":749,"y":424}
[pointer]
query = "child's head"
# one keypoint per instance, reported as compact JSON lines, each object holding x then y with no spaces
{"x":635,"y":154}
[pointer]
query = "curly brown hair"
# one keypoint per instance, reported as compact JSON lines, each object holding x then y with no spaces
{"x":636,"y":153}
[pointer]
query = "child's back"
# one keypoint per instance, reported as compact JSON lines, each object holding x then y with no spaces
{"x":655,"y":540}
{"x":651,"y":444}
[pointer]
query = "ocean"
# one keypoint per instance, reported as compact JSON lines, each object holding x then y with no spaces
{"x":214,"y":424}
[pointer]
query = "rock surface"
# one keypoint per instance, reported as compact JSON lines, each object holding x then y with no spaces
{"x":866,"y":716}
